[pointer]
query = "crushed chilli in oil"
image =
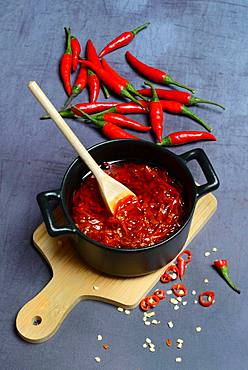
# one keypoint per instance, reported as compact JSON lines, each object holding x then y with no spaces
{"x":154,"y":214}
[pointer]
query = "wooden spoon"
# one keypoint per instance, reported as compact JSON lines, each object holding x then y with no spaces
{"x":111,"y":190}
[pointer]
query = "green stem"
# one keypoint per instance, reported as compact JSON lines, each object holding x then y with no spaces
{"x":169,"y":80}
{"x":166,"y":141}
{"x":187,"y":112}
{"x":69,"y":100}
{"x":138,"y":29}
{"x":105,"y":91}
{"x":64,"y":113}
{"x":127,"y":94}
{"x":98,"y":123}
{"x":132,"y":89}
{"x":68,"y":44}
{"x":100,"y":115}
{"x":154,"y":92}
{"x":194,"y":100}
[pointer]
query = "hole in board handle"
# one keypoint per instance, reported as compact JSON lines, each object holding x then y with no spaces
{"x":36,"y":320}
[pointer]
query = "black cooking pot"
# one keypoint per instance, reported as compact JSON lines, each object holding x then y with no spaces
{"x":129,"y":262}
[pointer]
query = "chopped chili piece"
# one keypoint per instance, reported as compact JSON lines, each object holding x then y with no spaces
{"x":168,"y":342}
{"x":179,"y":290}
{"x":105,"y":346}
{"x":144,"y":305}
{"x":206,"y":299}
{"x":160,"y":293}
{"x":153,"y":300}
{"x":188,"y":253}
{"x":182,"y":263}
{"x":222,"y":268}
{"x":167,"y":275}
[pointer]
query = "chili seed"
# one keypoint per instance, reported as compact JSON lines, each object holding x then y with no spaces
{"x":173,"y":301}
{"x":195,"y":302}
{"x":127,"y":312}
{"x":147,"y":323}
{"x":179,"y":345}
{"x":145,"y":345}
{"x":193,"y":292}
{"x":176,"y":307}
{"x":184,"y":303}
{"x":174,"y":276}
{"x":169,"y":292}
{"x":152,"y":349}
{"x":198,"y":329}
{"x":214,"y":249}
{"x":206,"y":254}
{"x":148,"y":340}
{"x":120,"y":309}
{"x":180,"y":298}
{"x":206,"y":281}
{"x":97,"y":359}
{"x":99,"y":337}
{"x":170,"y":324}
{"x":179,"y":340}
{"x":178,"y":359}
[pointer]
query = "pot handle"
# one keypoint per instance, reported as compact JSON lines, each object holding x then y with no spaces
{"x":47,"y":211}
{"x":212,"y":180}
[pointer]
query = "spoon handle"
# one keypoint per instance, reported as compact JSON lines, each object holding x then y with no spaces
{"x":64,"y":128}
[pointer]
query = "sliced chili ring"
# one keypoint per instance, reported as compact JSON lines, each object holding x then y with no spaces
{"x":188,"y":253}
{"x":160,"y":293}
{"x":179,"y":290}
{"x":153,"y":300}
{"x":210,"y":295}
{"x":144,"y":305}
{"x":165,"y":278}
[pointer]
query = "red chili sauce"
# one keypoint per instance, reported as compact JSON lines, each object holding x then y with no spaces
{"x":156,"y":213}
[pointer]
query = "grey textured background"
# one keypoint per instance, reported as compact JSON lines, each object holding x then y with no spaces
{"x":201,"y":43}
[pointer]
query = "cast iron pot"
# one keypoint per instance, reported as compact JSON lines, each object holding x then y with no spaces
{"x":128,"y":262}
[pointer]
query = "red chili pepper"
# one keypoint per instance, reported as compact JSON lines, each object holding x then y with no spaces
{"x":76,"y":50}
{"x":122,"y":40}
{"x":179,"y":108}
{"x":160,"y":293}
{"x":120,"y":120}
{"x":179,"y":96}
{"x":156,"y":113}
{"x":153,"y":300}
{"x":182,"y":263}
{"x":210,"y":295}
{"x":166,"y":276}
{"x":222,"y":268}
{"x":144,"y":305}
{"x":185,"y":137}
{"x":66,"y":63}
{"x":109,"y":129}
{"x":78,"y":86}
{"x":116,"y":107}
{"x":117,"y":86}
{"x":94,"y":86}
{"x":152,"y":74}
{"x":179,"y":290}
{"x":116,"y":75}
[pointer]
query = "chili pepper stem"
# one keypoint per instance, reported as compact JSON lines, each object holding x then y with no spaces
{"x":187,"y":112}
{"x":194,"y":100}
{"x":154,"y":92}
{"x":105,"y":91}
{"x":69,"y":100}
{"x":224,"y":273}
{"x":131,"y":89}
{"x":68,"y":44}
{"x":98,"y":123}
{"x":127,"y":94}
{"x":169,"y":80}
{"x":166,"y":141}
{"x":140,"y":28}
{"x":100,"y":115}
{"x":64,"y":113}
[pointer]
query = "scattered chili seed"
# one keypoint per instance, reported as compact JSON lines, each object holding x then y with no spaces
{"x":179,"y":298}
{"x":149,"y":314}
{"x":178,"y":359}
{"x":152,"y":349}
{"x":147,"y":323}
{"x":173,"y":301}
{"x":206,"y":254}
{"x":148,"y":340}
{"x":214,"y":249}
{"x":206,"y":281}
{"x":193,"y":292}
{"x":105,"y":346}
{"x":99,"y":337}
{"x":145,"y":345}
{"x":179,"y":346}
{"x":195,"y":301}
{"x":168,"y":342}
{"x":97,"y":359}
{"x":170,"y":324}
{"x":184,"y":303}
{"x":176,"y":307}
{"x":127,"y":312}
{"x":169,"y":292}
{"x":95,"y":287}
{"x":120,"y":309}
{"x":198,"y":329}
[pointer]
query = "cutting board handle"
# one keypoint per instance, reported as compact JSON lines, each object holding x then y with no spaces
{"x":41,"y":317}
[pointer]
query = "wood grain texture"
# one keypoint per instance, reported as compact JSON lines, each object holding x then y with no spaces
{"x":74,"y":281}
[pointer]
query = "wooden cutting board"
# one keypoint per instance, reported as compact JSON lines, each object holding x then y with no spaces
{"x":73,"y":281}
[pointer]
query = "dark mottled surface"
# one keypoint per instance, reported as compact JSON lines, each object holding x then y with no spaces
{"x":201,"y":43}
